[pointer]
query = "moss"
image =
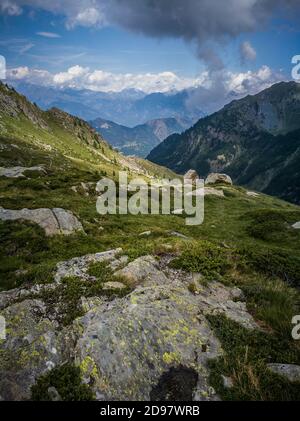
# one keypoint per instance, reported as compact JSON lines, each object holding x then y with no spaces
{"x":66,"y":379}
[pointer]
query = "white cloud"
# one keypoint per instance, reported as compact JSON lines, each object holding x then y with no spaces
{"x":48,"y":34}
{"x":10,"y":8}
{"x":247,"y":52}
{"x":212,"y":86}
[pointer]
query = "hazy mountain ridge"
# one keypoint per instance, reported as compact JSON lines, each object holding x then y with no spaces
{"x":138,"y":140}
{"x":255,"y":140}
{"x":129,"y":107}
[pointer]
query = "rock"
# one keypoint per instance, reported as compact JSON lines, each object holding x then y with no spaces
{"x":129,"y":348}
{"x":296,"y":226}
{"x":17,"y":172}
{"x":191,"y":176}
{"x":33,"y":346}
{"x":178,"y":211}
{"x":145,"y":234}
{"x":252,"y":194}
{"x":179,"y":235}
{"x":227,"y":382}
{"x":54,"y":395}
{"x":68,"y":223}
{"x":152,"y":343}
{"x":53,"y":221}
{"x":217,"y":299}
{"x":290,"y":371}
{"x":114,"y":285}
{"x":215,"y":178}
{"x":141,"y":270}
{"x":79,"y":266}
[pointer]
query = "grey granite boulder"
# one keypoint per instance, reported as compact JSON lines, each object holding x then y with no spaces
{"x":215,"y":178}
{"x":290,"y":371}
{"x":53,"y":221}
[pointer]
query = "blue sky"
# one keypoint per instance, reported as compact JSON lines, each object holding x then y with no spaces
{"x":56,"y":36}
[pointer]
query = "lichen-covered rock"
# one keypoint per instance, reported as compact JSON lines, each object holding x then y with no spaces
{"x":128,"y":348}
{"x":290,"y":371}
{"x":53,"y":221}
{"x":79,"y":266}
{"x":215,"y":178}
{"x":32,"y":346}
{"x":152,"y":343}
{"x":144,"y":269}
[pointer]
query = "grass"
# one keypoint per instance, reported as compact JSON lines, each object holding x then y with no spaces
{"x":246,"y":355}
{"x":205,"y":257}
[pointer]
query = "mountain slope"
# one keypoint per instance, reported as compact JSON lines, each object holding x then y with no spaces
{"x":138,"y":140}
{"x":62,"y":134}
{"x":255,"y":140}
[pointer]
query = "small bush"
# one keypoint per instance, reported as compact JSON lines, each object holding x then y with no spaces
{"x":210,"y":260}
{"x":66,"y":380}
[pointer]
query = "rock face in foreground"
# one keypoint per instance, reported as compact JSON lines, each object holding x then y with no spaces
{"x":215,"y":178}
{"x":53,"y":221}
{"x":154,"y":343}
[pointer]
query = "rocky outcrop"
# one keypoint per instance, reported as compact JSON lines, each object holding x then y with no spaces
{"x":78,"y":266}
{"x":296,"y":226}
{"x":53,"y":221}
{"x":18,"y":172}
{"x":153,"y":342}
{"x":215,"y":178}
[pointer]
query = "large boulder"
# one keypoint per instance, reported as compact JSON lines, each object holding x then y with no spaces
{"x":191,"y":176}
{"x":53,"y":221}
{"x":215,"y":178}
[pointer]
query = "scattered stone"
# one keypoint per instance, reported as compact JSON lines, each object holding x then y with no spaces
{"x":114,"y":285}
{"x":178,"y":211}
{"x":290,"y":371}
{"x":54,"y":395}
{"x":252,"y":194}
{"x":18,"y":172}
{"x":227,"y":382}
{"x":179,"y":235}
{"x":296,"y":226}
{"x":53,"y":221}
{"x":215,"y":178}
{"x":145,"y":234}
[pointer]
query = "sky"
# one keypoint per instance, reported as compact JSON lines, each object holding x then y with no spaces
{"x":218,"y":47}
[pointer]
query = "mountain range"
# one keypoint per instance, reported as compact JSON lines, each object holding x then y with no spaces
{"x":129,"y":107}
{"x":138,"y":140}
{"x":256,"y":140}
